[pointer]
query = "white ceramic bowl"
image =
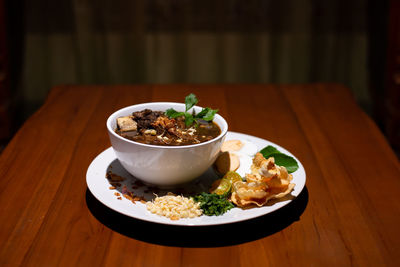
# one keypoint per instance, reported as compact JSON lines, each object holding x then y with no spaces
{"x":164,"y":165}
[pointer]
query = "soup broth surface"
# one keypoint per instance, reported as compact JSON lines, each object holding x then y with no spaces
{"x":155,"y":128}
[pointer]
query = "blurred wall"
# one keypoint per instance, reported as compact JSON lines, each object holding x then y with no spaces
{"x":188,"y":41}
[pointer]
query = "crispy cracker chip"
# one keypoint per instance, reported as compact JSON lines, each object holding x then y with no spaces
{"x":231,"y":145}
{"x":266,"y":181}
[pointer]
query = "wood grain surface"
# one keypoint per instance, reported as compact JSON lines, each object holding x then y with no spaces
{"x":347,"y":215}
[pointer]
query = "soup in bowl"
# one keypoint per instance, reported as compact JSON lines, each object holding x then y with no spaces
{"x":164,"y":151}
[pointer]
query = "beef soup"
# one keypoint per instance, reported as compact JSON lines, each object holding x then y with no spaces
{"x":155,"y":128}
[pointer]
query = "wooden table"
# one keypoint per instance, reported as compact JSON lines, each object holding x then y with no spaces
{"x":348,"y":213}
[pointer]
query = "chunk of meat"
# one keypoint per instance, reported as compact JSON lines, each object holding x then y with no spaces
{"x":146,"y":114}
{"x":146,"y":118}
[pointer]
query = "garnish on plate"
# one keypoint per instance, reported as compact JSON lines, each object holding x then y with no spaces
{"x":265,"y":179}
{"x":206,"y":114}
{"x":268,"y":178}
{"x":223,"y":186}
{"x":280,"y":159}
{"x":174,"y":207}
{"x":213,"y":204}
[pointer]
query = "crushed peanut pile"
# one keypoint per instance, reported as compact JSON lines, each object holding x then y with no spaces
{"x":174,"y":207}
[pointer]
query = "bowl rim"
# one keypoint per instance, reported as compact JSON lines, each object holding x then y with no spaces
{"x":112,"y":132}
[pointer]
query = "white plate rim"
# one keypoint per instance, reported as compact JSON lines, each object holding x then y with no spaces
{"x":99,"y":187}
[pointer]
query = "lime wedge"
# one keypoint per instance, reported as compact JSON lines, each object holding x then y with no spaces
{"x":224,"y":185}
{"x":233,"y":177}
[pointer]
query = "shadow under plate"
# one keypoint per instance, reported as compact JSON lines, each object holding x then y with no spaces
{"x":199,"y":236}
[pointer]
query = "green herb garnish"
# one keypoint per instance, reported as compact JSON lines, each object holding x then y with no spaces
{"x":280,"y":159}
{"x":213,"y":204}
{"x":190,"y":101}
{"x":206,"y":114}
{"x":172,"y":113}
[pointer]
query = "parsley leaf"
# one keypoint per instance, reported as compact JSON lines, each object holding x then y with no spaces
{"x":213,"y":204}
{"x":172,"y":113}
{"x":206,"y":114}
{"x":210,"y":114}
{"x":188,"y":119}
{"x":190,"y":101}
{"x":202,"y":113}
{"x":280,"y":159}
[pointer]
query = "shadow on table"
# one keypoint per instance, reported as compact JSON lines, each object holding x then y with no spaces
{"x":199,"y":236}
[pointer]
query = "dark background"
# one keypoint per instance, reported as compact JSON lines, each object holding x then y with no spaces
{"x":44,"y":43}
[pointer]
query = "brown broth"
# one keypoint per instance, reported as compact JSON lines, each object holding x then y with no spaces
{"x":171,"y":132}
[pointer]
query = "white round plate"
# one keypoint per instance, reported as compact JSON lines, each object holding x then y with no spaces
{"x":99,"y":185}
